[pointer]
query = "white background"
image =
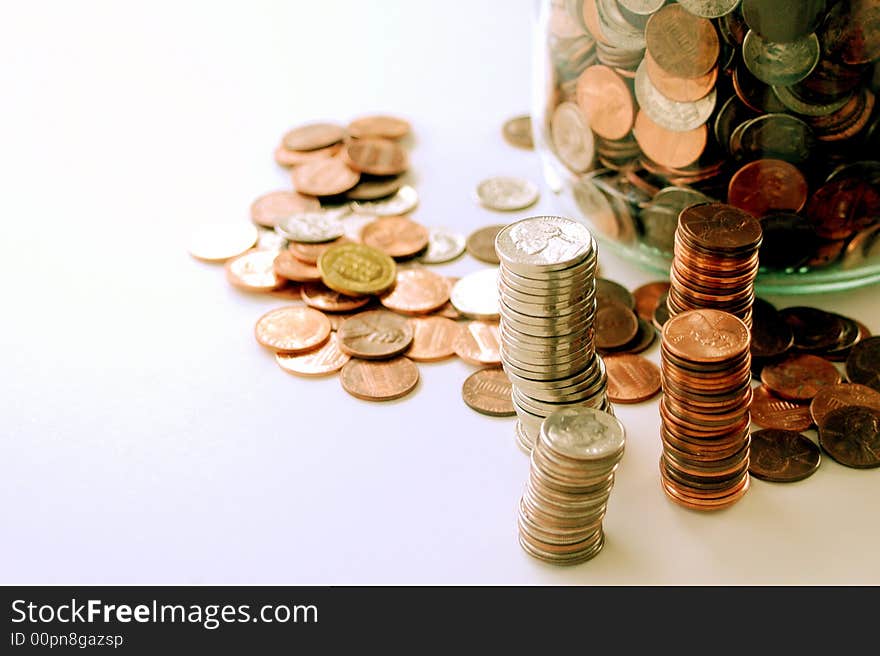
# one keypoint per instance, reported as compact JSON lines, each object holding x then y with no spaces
{"x":147,"y":438}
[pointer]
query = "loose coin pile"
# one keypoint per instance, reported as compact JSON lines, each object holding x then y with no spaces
{"x":570,"y":480}
{"x":768,"y":105}
{"x":547,"y":305}
{"x":705,"y":409}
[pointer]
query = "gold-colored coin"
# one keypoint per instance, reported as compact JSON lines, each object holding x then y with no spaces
{"x":357,"y":269}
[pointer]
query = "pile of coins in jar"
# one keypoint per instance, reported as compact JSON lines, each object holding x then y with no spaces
{"x":767,"y":105}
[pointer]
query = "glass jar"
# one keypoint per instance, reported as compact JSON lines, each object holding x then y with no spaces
{"x":644,"y":107}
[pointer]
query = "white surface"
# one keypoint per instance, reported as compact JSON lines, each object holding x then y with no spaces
{"x":147,"y":438}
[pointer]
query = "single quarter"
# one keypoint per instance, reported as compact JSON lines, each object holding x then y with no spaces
{"x":324,"y":360}
{"x":488,"y":391}
{"x":444,"y":245}
{"x":385,"y":380}
{"x":217,"y":242}
{"x":253,"y":271}
{"x":433,"y":338}
{"x":782,"y":456}
{"x":416,"y":291}
{"x":292,"y":329}
{"x":507,"y":193}
{"x":396,"y":236}
{"x":631,"y":378}
{"x":481,"y":243}
{"x":375,"y":335}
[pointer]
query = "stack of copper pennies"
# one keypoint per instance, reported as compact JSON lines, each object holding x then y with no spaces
{"x":547,"y":302}
{"x":707,"y":390}
{"x":570,"y":481}
{"x":716,"y":260}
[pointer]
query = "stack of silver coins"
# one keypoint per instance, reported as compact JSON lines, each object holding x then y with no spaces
{"x":547,"y":306}
{"x":570,"y":480}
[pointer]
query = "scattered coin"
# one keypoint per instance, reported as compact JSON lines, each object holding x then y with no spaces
{"x":375,"y":335}
{"x":384,"y":380}
{"x":851,"y":435}
{"x":616,"y":325}
{"x":841,"y":396}
{"x":573,"y":139}
{"x":269,"y":209}
{"x":444,"y":245}
{"x":475,"y":295}
{"x":782,"y":456}
{"x":631,"y":378}
{"x":605,"y":101}
{"x":478,"y":342}
{"x":324,"y":360}
{"x":814,"y":330}
{"x":608,"y":290}
{"x":863,"y":363}
{"x":375,"y":156}
{"x":647,"y":298}
{"x":506,"y":193}
{"x":517,"y":131}
{"x":324,"y":177}
{"x":217,"y":242}
{"x":310,"y":252}
{"x":767,"y":185}
{"x":380,"y":126}
{"x":481,"y":243}
{"x":253,"y":271}
{"x":488,"y":391}
{"x":375,"y":187}
{"x":799,"y":377}
{"x":433,"y":338}
{"x":288,"y":267}
{"x":356,"y":269}
{"x":397,"y":236}
{"x":772,"y":336}
{"x":269,"y":240}
{"x":289,"y":158}
{"x":770,"y":411}
{"x":311,"y":227}
{"x":644,"y":338}
{"x":318,"y":296}
{"x":313,"y":136}
{"x":292,"y":329}
{"x":403,"y":201}
{"x":416,"y":291}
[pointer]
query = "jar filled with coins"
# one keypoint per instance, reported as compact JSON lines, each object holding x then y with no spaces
{"x":646,"y":107}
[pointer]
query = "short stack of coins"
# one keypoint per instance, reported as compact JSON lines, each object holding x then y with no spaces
{"x":570,"y":480}
{"x":547,"y":307}
{"x":706,"y":378}
{"x":716,"y":260}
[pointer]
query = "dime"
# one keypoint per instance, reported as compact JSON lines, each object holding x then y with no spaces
{"x":379,"y":381}
{"x":444,"y":245}
{"x":217,"y":242}
{"x":322,"y":361}
{"x":289,"y":158}
{"x":403,"y":201}
{"x":416,"y":291}
{"x":288,"y":267}
{"x":252,"y":271}
{"x":851,"y":436}
{"x":476,"y":295}
{"x":375,"y":335}
{"x":478,"y":342}
{"x":269,"y":209}
{"x":841,"y":396}
{"x":488,"y":391}
{"x":433,"y":338}
{"x":672,"y":149}
{"x":682,"y":44}
{"x":481,"y":243}
{"x":311,"y":227}
{"x":517,"y":131}
{"x":782,"y":456}
{"x":310,"y":252}
{"x":374,"y":187}
{"x":605,"y":101}
{"x":507,"y":193}
{"x":382,"y":126}
{"x":616,"y":325}
{"x":770,"y":411}
{"x":396,"y":236}
{"x":767,"y":185}
{"x":324,"y":177}
{"x":313,"y":136}
{"x":356,"y":269}
{"x":863,"y":363}
{"x":647,"y":298}
{"x":318,"y":296}
{"x":573,"y":140}
{"x":672,"y":115}
{"x":780,"y":64}
{"x":631,"y":378}
{"x":799,"y":377}
{"x":376,"y":156}
{"x":292,"y":329}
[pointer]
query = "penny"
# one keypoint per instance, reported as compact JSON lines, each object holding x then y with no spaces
{"x":313,"y":136}
{"x":433,"y":338}
{"x":771,"y":335}
{"x":253,"y":271}
{"x":840,"y":208}
{"x":292,"y":329}
{"x":403,"y":201}
{"x":310,"y":252}
{"x":479,"y":342}
{"x":396,"y":236}
{"x":780,"y":64}
{"x":851,"y":31}
{"x":672,"y":149}
{"x":481,"y":243}
{"x":849,"y":337}
{"x":771,"y":411}
{"x":783,"y":25}
{"x":217,"y":242}
{"x":645,"y":336}
{"x":715,"y":226}
{"x":374,"y":187}
{"x":376,"y":156}
{"x":517,"y":131}
{"x":476,"y":295}
{"x":318,"y":296}
{"x":324,"y":177}
{"x":863,"y":363}
{"x":610,"y":291}
{"x":705,"y":335}
{"x":444,"y":245}
{"x":767,"y":185}
{"x":661,"y":314}
{"x":269,"y":209}
{"x":324,"y":360}
{"x":789,"y":241}
{"x":382,"y":126}
{"x":851,"y":436}
{"x":289,"y":158}
{"x":615,"y":325}
{"x":631,"y":378}
{"x":506,"y":193}
{"x":356,"y":269}
{"x":573,"y":140}
{"x":386,"y":380}
{"x":290,"y":268}
{"x":678,"y":88}
{"x":814,"y":330}
{"x":311,"y":227}
{"x":799,"y":377}
{"x":416,"y":291}
{"x":782,"y":456}
{"x":670,"y":114}
{"x":841,"y":396}
{"x":488,"y":391}
{"x":682,"y":44}
{"x":605,"y":101}
{"x":647,"y":297}
{"x":375,"y":335}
